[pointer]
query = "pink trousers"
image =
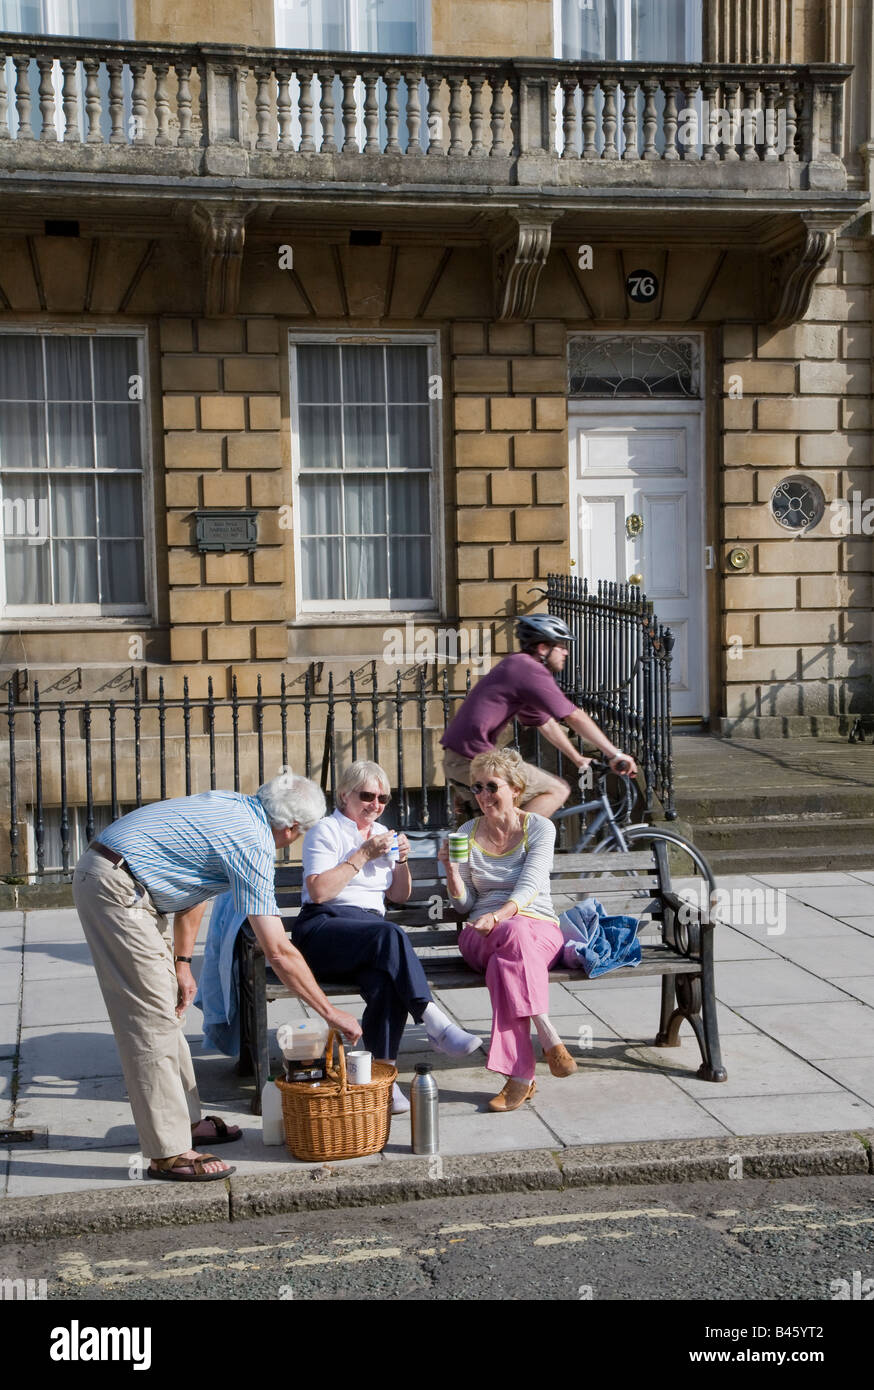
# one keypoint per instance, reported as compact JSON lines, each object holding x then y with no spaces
{"x":515,"y":959}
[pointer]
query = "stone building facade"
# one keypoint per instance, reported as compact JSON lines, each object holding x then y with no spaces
{"x":587,"y":302}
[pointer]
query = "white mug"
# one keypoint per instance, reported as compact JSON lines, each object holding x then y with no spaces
{"x":358,"y":1068}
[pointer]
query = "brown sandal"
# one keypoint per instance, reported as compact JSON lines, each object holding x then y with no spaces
{"x":170,"y":1169}
{"x":223,"y":1135}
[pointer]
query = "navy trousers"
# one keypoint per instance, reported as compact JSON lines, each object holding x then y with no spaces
{"x":351,"y":943}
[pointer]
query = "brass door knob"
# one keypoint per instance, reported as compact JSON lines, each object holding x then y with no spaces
{"x":635,"y":579}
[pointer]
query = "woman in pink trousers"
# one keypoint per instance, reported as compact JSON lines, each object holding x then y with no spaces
{"x":512,"y":933}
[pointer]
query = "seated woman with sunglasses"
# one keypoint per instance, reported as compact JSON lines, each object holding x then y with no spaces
{"x":512,"y":933}
{"x":341,"y":931}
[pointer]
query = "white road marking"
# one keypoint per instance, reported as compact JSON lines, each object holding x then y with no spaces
{"x":521,"y":1222}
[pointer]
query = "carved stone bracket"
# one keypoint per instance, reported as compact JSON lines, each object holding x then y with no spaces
{"x":221,"y":230}
{"x":793,"y":270}
{"x":519,"y":259}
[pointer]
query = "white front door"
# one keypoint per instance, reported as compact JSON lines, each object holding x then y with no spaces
{"x":641,"y":461}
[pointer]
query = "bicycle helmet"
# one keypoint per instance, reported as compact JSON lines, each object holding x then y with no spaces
{"x":542,"y":627}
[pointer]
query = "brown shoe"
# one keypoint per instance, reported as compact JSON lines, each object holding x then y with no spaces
{"x":514,"y":1094}
{"x":561,"y":1063}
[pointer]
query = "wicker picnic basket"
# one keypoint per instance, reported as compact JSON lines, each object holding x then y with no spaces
{"x":331,"y":1119}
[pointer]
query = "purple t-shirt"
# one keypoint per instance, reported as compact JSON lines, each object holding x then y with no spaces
{"x":518,"y":687}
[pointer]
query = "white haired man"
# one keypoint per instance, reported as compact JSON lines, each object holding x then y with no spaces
{"x":171,"y":857}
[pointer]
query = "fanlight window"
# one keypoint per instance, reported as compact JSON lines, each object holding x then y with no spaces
{"x":632,"y":366}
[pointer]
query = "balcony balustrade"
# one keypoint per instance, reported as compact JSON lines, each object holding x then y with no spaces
{"x":87,"y":106}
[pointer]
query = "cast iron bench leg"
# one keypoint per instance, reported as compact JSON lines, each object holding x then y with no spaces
{"x":243,"y":960}
{"x":665,"y":1038}
{"x":711,"y":1068}
{"x":259,"y":1048}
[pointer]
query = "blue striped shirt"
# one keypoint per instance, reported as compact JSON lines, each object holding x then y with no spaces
{"x":195,"y":847}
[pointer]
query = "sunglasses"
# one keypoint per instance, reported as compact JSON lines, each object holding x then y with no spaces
{"x":479,"y":787}
{"x":374,"y":796}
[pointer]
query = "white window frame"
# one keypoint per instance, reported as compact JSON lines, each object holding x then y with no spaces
{"x":338,"y":611}
{"x":624,"y":29}
{"x":354,"y":27}
{"x":53,"y":13}
{"x":95,"y":614}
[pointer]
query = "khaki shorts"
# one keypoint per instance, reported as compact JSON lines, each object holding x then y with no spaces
{"x":457,"y":769}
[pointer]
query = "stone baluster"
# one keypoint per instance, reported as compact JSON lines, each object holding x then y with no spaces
{"x":730,"y":90}
{"x":772,"y":92}
{"x":93,"y":108}
{"x":650,"y":119}
{"x":610,"y":122}
{"x":456,"y":143}
{"x":748,"y":124}
{"x":571,"y":148}
{"x":5,"y":133}
{"x":590,"y":122}
{"x":264,"y":139}
{"x":138,"y":103}
{"x":436,"y":143}
{"x":305,"y":104}
{"x":630,"y":135}
{"x":790,"y":154}
{"x":242,"y":85}
{"x":116,"y":102}
{"x":414,"y":112}
{"x":183,"y":103}
{"x":283,"y":108}
{"x":690,"y":93}
{"x":350,"y":111}
{"x":477,"y":147}
{"x":48,"y":134}
{"x":70,"y":98}
{"x":499,"y":147}
{"x":162,"y":104}
{"x":22,"y":96}
{"x":671,"y":89}
{"x":371,"y":113}
{"x":392,"y":116}
{"x":709,"y":152}
{"x":326,"y":108}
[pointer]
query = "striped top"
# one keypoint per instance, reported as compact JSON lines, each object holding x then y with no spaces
{"x":520,"y":876}
{"x":195,"y":847}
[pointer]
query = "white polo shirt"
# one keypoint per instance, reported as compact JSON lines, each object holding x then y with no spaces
{"x":333,"y":839}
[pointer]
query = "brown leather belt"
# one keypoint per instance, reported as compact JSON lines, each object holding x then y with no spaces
{"x":112,"y":855}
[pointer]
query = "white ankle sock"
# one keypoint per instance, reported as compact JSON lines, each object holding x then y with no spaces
{"x":435,"y":1020}
{"x":522,"y":1080}
{"x":545,"y":1031}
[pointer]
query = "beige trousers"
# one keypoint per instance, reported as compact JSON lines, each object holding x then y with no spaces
{"x":132,"y":948}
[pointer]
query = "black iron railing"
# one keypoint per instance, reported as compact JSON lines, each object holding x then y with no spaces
{"x":620,"y":672}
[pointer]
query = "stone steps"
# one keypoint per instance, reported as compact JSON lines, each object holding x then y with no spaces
{"x":787,"y":832}
{"x":804,"y":858}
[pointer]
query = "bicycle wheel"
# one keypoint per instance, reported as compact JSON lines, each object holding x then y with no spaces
{"x":685,"y":867}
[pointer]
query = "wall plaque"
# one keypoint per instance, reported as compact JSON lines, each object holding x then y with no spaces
{"x":226,"y":528}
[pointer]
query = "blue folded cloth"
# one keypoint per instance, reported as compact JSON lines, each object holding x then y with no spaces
{"x":596,"y":943}
{"x":218,"y":990}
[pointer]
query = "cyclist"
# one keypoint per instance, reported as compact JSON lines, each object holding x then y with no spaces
{"x":522,"y":687}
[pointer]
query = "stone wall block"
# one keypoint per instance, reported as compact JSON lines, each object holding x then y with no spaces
{"x":799,"y":556}
{"x":490,"y":451}
{"x":224,"y":490}
{"x":253,"y":451}
{"x":759,"y":592}
{"x":541,"y":524}
{"x":820,"y":414}
{"x":198,"y":452}
{"x":258,"y":605}
{"x":229,"y":644}
{"x":488,"y":524}
{"x":197,"y":606}
{"x":478,"y":375}
{"x":223,"y":412}
{"x":190,"y":373}
{"x":470,"y":412}
{"x":510,"y":412}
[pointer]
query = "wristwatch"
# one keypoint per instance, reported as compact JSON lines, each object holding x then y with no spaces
{"x":187,"y":959}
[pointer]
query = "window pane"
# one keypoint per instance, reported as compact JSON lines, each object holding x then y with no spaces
{"x":115,"y":362}
{"x":121,"y":572}
{"x":71,"y":444}
{"x":22,"y":436}
{"x":407,"y":374}
{"x":320,"y":503}
{"x":409,"y":436}
{"x":73,"y":511}
{"x":121,"y":506}
{"x":409,"y":506}
{"x":322,"y":569}
{"x":318,"y":374}
{"x":26,"y":507}
{"x":588,"y":29}
{"x":27,"y":573}
{"x":658,"y":30}
{"x":363,"y":374}
{"x":319,"y":437}
{"x":21,"y":374}
{"x":319,"y":24}
{"x":75,"y":571}
{"x":365,"y":506}
{"x":388,"y":26}
{"x":68,"y":369}
{"x":410,"y":569}
{"x":366,"y":569}
{"x":364,"y":436}
{"x":119,"y":441}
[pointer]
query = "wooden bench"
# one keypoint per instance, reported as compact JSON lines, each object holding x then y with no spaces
{"x":637,"y":883}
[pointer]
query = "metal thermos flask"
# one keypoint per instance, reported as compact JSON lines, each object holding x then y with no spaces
{"x":423,"y":1111}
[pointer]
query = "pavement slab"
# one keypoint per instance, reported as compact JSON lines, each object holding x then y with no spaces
{"x":828,"y":1110}
{"x":846,"y":901}
{"x":10,"y":984}
{"x":770,"y":982}
{"x":632,"y":1102}
{"x":837,"y":956}
{"x":54,"y":927}
{"x":9,"y":1020}
{"x":756,"y":1066}
{"x":831,"y":1030}
{"x":855,"y":1074}
{"x":64,"y":1001}
{"x":863,"y":924}
{"x":85,"y":1114}
{"x":61,"y":960}
{"x":5,"y":1092}
{"x":860,"y":987}
{"x":72,"y":1052}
